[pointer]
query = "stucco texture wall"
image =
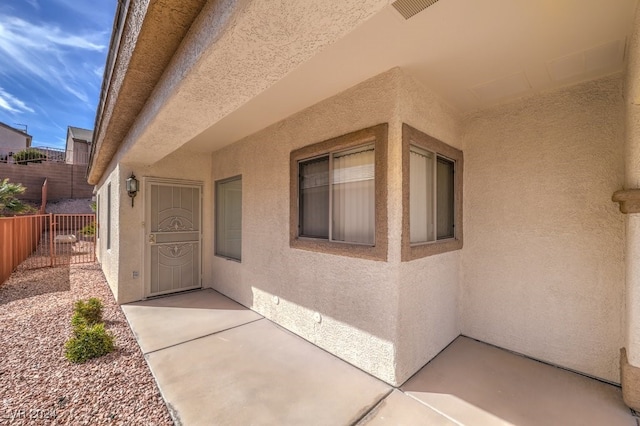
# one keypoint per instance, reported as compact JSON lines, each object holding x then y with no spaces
{"x":357,"y":299}
{"x":128,"y":233}
{"x":388,"y":318}
{"x":543,"y":270}
{"x":109,"y":258}
{"x":429,"y":288}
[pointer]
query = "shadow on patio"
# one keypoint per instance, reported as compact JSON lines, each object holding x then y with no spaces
{"x":216,"y":361}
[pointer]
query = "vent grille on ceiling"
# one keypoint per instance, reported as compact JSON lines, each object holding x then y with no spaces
{"x":408,"y":8}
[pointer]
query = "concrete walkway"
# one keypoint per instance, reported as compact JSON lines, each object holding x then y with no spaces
{"x":217,"y":362}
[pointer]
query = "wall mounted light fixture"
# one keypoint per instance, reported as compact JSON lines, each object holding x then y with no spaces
{"x":132,"y":187}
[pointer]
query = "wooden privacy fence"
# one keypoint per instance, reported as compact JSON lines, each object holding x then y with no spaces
{"x":48,"y":240}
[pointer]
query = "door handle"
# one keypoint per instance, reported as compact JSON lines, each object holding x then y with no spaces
{"x":152,"y":238}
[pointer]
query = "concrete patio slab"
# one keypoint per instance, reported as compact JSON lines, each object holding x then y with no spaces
{"x":260,"y":374}
{"x":398,"y":409}
{"x":167,"y":321}
{"x":475,"y":383}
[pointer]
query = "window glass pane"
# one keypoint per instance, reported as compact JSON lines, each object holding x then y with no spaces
{"x":314,"y":198}
{"x":229,"y":218}
{"x":445,"y":200}
{"x":353,"y":187}
{"x":421,"y":197}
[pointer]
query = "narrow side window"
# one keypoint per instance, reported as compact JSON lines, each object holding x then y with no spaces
{"x":229,"y":218}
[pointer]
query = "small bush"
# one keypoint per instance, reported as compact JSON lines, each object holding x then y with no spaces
{"x":29,"y":155}
{"x":89,"y":230}
{"x":88,"y":342}
{"x":90,"y":311}
{"x":78,"y":321}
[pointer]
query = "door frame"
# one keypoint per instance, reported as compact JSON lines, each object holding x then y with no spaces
{"x":146,"y":212}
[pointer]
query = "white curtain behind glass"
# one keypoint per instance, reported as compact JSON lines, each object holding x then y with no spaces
{"x":354,"y":196}
{"x":421,"y":197}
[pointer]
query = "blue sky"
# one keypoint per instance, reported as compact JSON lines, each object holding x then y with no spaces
{"x":52,"y":57}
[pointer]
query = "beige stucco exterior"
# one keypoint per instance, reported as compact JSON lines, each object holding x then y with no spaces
{"x":543,"y":262}
{"x":479,"y":291}
{"x":630,"y":355}
{"x":548,"y":268}
{"x":127,"y":252}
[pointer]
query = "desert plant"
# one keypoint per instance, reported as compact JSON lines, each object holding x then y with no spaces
{"x":29,"y":155}
{"x":89,"y":311}
{"x":88,"y":342}
{"x":89,"y":230}
{"x":9,"y":204}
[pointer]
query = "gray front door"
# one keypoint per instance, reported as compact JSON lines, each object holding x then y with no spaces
{"x":173,"y":231}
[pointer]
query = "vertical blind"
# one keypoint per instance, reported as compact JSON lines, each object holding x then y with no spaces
{"x":431,"y":197}
{"x":354,"y":196}
{"x":229,"y":218}
{"x":421,"y":200}
{"x":341,"y":208}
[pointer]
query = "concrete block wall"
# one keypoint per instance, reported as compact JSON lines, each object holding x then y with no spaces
{"x":64,"y":180}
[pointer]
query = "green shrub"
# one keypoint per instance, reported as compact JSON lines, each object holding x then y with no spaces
{"x":88,"y":342}
{"x":29,"y":155}
{"x":89,"y":230}
{"x":9,"y":203}
{"x":90,"y":311}
{"x":78,"y":321}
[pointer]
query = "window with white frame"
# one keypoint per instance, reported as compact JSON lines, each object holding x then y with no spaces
{"x":228,"y":241}
{"x":432,"y":198}
{"x":339,"y":195}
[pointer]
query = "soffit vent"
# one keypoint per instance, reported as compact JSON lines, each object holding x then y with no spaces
{"x":408,"y":8}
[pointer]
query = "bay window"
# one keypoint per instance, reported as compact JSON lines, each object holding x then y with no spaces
{"x":339,"y":195}
{"x":432,"y":198}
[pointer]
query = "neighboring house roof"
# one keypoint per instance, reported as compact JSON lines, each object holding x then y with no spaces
{"x":78,"y":134}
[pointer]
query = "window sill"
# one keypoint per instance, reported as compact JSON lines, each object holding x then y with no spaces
{"x":412,"y":252}
{"x":228,"y":258}
{"x":376,"y":252}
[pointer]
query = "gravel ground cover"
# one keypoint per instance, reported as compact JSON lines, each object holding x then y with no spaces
{"x":37,"y":383}
{"x":75,"y":205}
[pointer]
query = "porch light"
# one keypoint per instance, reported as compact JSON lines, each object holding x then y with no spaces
{"x":132,"y":187}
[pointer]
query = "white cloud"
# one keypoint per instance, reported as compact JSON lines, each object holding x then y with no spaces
{"x":34,"y":4}
{"x":12,"y":104}
{"x":98,"y":72}
{"x":47,"y":52}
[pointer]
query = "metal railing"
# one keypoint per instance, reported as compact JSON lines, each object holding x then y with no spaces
{"x":39,"y":241}
{"x":41,"y":154}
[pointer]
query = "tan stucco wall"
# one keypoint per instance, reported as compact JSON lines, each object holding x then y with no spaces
{"x":388,"y":318}
{"x":632,"y":181}
{"x":429,"y":288}
{"x":203,"y":84}
{"x":356,"y":298}
{"x":543,"y":270}
{"x":109,"y":259}
{"x":128,"y":236}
